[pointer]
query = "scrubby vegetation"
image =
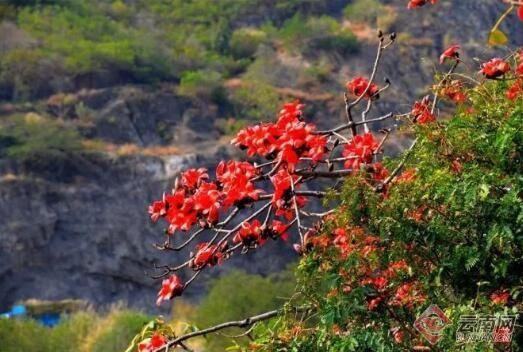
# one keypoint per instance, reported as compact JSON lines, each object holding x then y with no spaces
{"x":31,"y":136}
{"x":88,"y":331}
{"x":81,"y":332}
{"x":151,"y":41}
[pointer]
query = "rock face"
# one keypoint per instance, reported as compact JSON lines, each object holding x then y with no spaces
{"x":78,"y":227}
{"x":91,"y":238}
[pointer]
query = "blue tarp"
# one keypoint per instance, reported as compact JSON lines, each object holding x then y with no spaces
{"x":46,"y":319}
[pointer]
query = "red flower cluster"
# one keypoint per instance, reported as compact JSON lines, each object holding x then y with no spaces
{"x":515,"y":90}
{"x":235,"y":178}
{"x":421,"y":111}
{"x":195,"y":199}
{"x":208,"y":255}
{"x":254,"y":233}
{"x":451,"y":53}
{"x":419,"y":3}
{"x":357,"y":240}
{"x":171,"y":287}
{"x":379,"y":172}
{"x":399,"y":335}
{"x":407,"y":175}
{"x":454,"y":91}
{"x":152,"y":344}
{"x":500,"y":297}
{"x":494,"y":68}
{"x":361,"y":85}
{"x":360,"y":150}
{"x":408,"y":295}
{"x":251,"y":233}
{"x":520,"y":13}
{"x":289,"y":139}
{"x":282,"y":199}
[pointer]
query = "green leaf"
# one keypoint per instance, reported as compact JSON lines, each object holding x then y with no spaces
{"x":497,"y":37}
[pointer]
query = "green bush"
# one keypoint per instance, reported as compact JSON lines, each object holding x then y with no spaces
{"x":256,"y":100}
{"x":80,"y":332}
{"x":317,"y":33}
{"x":366,"y":11}
{"x":455,"y":228}
{"x":245,"y":41}
{"x":115,"y":331}
{"x":72,"y":331}
{"x":32,"y":136}
{"x":227,"y":300}
{"x":21,"y":335}
{"x":205,"y":84}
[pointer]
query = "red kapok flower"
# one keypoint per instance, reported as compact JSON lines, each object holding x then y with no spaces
{"x":408,"y":295}
{"x":419,"y":3}
{"x":421,"y":111}
{"x":500,"y":297}
{"x":454,"y":91}
{"x":171,"y":287}
{"x":515,"y":90}
{"x":257,"y":139}
{"x":398,"y":336}
{"x":407,"y":175}
{"x":374,"y":303}
{"x":520,"y":13}
{"x":494,"y":68}
{"x":207,"y":201}
{"x":360,"y":150}
{"x":193,"y":177}
{"x":157,"y":209}
{"x":235,"y":178}
{"x":208,"y":254}
{"x":452,"y":53}
{"x":358,"y":86}
{"x":379,"y":172}
{"x":153,"y":343}
{"x":250,"y":234}
{"x":290,"y":113}
{"x":278,"y":229}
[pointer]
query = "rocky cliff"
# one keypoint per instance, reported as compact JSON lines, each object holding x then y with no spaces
{"x":77,"y":227}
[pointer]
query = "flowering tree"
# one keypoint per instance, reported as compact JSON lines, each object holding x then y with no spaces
{"x":440,"y":224}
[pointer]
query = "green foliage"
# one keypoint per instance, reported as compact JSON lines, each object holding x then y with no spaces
{"x":205,"y":84}
{"x":32,"y":136}
{"x":363,"y":10}
{"x":72,"y":331}
{"x":245,"y":41}
{"x":256,"y":100}
{"x":115,"y":331}
{"x":372,"y":12}
{"x":18,"y":336}
{"x":317,"y":33}
{"x":80,"y":332}
{"x":228,"y":300}
{"x":465,"y":243}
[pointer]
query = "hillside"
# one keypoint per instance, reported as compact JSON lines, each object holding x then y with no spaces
{"x":103,"y":103}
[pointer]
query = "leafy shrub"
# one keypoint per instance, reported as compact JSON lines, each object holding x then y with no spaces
{"x":32,"y":136}
{"x":227,"y":300}
{"x":115,"y":331}
{"x":72,"y":331}
{"x":317,"y":33}
{"x":245,"y":41}
{"x":256,"y":100}
{"x":364,"y":11}
{"x":455,"y":228}
{"x":205,"y":84}
{"x":21,"y":335}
